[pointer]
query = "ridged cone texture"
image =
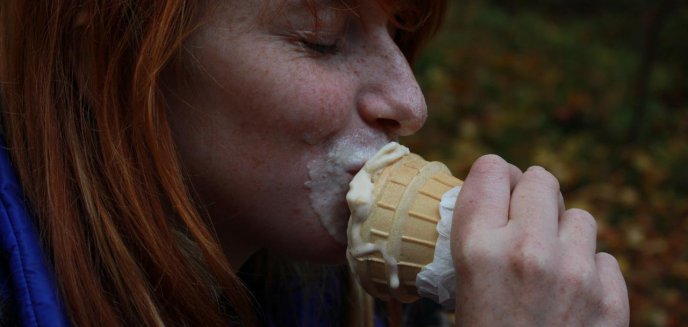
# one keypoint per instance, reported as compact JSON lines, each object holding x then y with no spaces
{"x":404,"y":215}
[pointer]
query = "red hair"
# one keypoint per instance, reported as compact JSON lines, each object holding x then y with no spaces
{"x":84,"y":120}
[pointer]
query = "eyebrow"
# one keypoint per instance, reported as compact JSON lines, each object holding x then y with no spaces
{"x":331,"y":4}
{"x":317,"y":9}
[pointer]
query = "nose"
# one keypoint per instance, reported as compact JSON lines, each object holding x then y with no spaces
{"x":390,"y":97}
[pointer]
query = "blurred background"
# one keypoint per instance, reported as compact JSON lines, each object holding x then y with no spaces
{"x":597,"y":93}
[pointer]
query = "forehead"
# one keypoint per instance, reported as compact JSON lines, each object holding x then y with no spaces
{"x":266,"y":10}
{"x":314,"y":7}
{"x":266,"y":13}
{"x":319,"y":3}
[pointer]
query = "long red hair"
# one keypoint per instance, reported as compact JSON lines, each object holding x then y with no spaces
{"x":85,"y":122}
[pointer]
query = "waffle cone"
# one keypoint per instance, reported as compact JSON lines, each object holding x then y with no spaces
{"x":404,"y":216}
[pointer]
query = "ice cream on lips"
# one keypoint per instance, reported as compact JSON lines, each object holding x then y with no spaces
{"x":330,"y":174}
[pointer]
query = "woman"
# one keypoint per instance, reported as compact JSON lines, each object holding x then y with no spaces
{"x":162,"y":143}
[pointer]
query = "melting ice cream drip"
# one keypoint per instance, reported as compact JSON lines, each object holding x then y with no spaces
{"x":360,"y":198}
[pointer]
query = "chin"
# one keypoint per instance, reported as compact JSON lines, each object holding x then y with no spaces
{"x":326,"y":250}
{"x":318,"y":249}
{"x":311,"y":241}
{"x":333,"y":252}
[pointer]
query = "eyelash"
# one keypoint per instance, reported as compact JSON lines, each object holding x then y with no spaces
{"x":321,"y":48}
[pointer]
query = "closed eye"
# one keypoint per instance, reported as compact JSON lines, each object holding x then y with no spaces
{"x":321,"y":48}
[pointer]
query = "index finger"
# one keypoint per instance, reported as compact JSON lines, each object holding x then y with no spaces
{"x":485,"y":195}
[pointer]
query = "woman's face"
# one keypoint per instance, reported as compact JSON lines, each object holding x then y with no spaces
{"x":279,"y":112}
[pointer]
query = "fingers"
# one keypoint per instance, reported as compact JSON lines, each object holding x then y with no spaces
{"x":544,"y":256}
{"x":615,"y":307}
{"x":536,"y":204}
{"x":578,"y":233}
{"x":485,"y":195}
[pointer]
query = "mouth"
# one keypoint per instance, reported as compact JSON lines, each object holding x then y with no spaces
{"x":329,"y":178}
{"x":354,"y":169}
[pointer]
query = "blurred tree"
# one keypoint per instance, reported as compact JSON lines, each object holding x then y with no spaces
{"x":653,"y":25}
{"x":594,"y":91}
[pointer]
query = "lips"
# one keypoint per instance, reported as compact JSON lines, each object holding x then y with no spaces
{"x":353,"y":164}
{"x":330,"y":174}
{"x":354,"y":169}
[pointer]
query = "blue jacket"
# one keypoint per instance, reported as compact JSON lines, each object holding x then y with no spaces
{"x":28,"y":296}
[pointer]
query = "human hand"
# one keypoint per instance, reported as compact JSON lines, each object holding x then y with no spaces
{"x":523,"y":260}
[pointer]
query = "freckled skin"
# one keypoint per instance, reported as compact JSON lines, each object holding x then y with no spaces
{"x":262,"y":101}
{"x":257,"y":106}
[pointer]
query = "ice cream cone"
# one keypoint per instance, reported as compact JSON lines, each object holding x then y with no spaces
{"x":402,"y":221}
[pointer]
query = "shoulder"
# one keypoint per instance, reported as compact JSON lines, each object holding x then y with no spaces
{"x":8,"y":310}
{"x":27,"y":290}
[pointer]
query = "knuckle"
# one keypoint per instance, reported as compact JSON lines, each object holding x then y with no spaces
{"x":473,"y":255}
{"x":531,"y":261}
{"x":579,"y":276}
{"x":608,"y":259}
{"x":476,"y":250}
{"x":581,"y":216}
{"x":543,"y":177}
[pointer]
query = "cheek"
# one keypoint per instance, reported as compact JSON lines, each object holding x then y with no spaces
{"x":277,"y":94}
{"x":324,"y":108}
{"x":282,"y":117}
